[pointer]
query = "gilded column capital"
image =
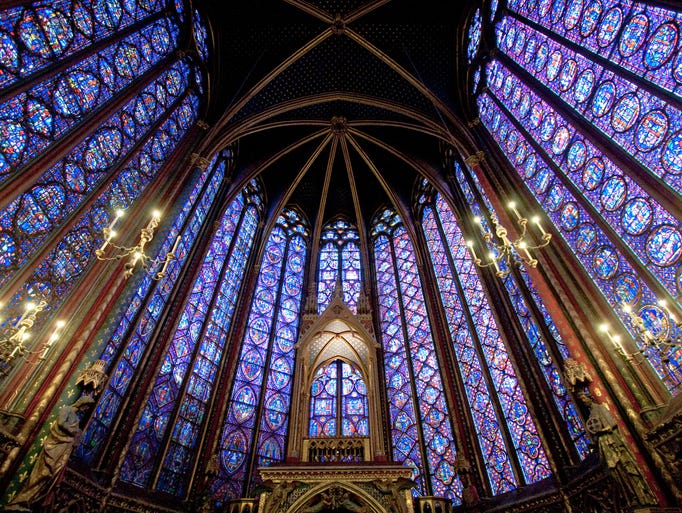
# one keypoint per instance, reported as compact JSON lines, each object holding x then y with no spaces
{"x":475,"y":159}
{"x":199,"y":161}
{"x":202,"y":124}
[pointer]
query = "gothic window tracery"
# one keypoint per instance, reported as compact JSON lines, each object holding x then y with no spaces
{"x":421,"y":431}
{"x":583,"y":101}
{"x":189,"y":368}
{"x":338,"y":401}
{"x":340,"y":250}
{"x":63,"y":64}
{"x":257,"y":413}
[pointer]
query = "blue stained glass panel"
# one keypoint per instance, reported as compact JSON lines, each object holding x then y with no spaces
{"x":612,"y":274}
{"x":33,"y":37}
{"x":84,"y":168}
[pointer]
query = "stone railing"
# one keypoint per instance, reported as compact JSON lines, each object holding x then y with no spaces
{"x":336,"y":450}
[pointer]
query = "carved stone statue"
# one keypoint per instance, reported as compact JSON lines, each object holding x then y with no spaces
{"x":576,"y":373}
{"x":614,"y":454}
{"x":278,"y":496}
{"x":335,"y":498}
{"x":394,"y":493}
{"x":65,"y":432}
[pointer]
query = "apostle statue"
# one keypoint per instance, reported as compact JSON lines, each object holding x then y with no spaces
{"x":614,"y":454}
{"x":65,"y":433}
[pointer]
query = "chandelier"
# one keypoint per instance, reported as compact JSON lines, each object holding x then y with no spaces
{"x":12,"y":341}
{"x":503,"y":249}
{"x":663,"y":340}
{"x":154,"y":267}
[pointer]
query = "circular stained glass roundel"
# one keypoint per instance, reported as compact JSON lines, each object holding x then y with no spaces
{"x":536,"y":113}
{"x":233,"y":457}
{"x":651,"y":130}
{"x":585,"y":239}
{"x":570,"y":216}
{"x":12,"y":140}
{"x":45,"y":32}
{"x":531,"y":49}
{"x":637,"y":216}
{"x":38,"y":118}
{"x":548,"y":127}
{"x":76,"y":93}
{"x":542,"y":180}
{"x":567,"y":75}
{"x":558,"y":7}
{"x":244,"y":404}
{"x":603,"y":99}
{"x":561,"y":139}
{"x":609,"y":26}
{"x":625,"y":113}
{"x":108,"y":12}
{"x":613,"y":193}
{"x":275,"y":408}
{"x":251,"y":364}
{"x":541,"y":57}
{"x":593,"y":173}
{"x":672,"y":154}
{"x":627,"y":288}
{"x":554,"y":64}
{"x":572,"y":16}
{"x":555,"y":198}
{"x":605,"y":262}
{"x":590,"y":18}
{"x":103,"y":149}
{"x":664,"y":245}
{"x":583,"y":85}
{"x":661,"y":46}
{"x":633,"y":35}
{"x":82,"y":19}
{"x":577,"y":154}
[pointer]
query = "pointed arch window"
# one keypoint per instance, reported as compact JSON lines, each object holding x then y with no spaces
{"x":583,"y":99}
{"x":138,"y":321}
{"x":506,"y":430}
{"x":338,"y":401}
{"x":542,"y":346}
{"x":421,"y":431}
{"x":162,"y":448}
{"x":340,"y":250}
{"x":255,"y":427}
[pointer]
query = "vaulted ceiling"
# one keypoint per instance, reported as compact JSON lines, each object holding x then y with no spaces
{"x":338,"y":105}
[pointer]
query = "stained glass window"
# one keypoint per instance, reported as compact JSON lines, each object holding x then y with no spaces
{"x":66,"y":62}
{"x":583,"y":100}
{"x":339,"y":250}
{"x":188,"y":222}
{"x":191,"y":361}
{"x":541,"y":347}
{"x":200,"y":35}
{"x":338,"y":401}
{"x":421,"y":431}
{"x":258,"y":406}
{"x":32,"y":37}
{"x":474,"y":35}
{"x":499,"y":408}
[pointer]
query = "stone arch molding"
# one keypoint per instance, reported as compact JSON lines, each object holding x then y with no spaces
{"x":337,"y":496}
